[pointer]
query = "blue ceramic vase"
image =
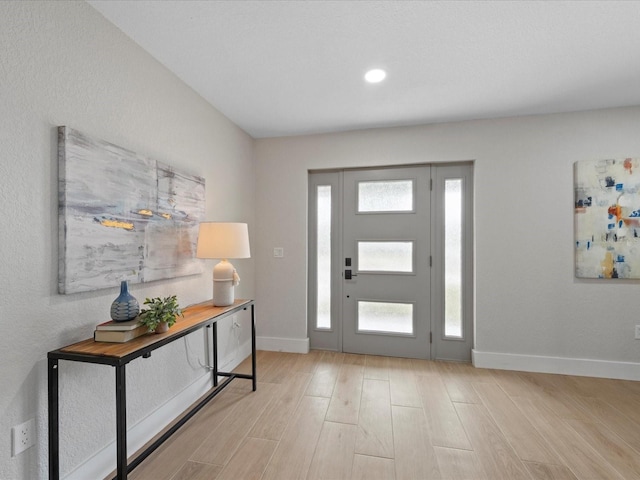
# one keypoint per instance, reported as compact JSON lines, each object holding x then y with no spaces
{"x":125,"y":307}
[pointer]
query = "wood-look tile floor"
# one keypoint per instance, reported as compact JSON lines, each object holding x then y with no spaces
{"x":336,"y":416}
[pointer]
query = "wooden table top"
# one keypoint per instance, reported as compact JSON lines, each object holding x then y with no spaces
{"x":193,"y":316}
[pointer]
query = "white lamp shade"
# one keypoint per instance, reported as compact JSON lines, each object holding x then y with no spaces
{"x":223,"y":240}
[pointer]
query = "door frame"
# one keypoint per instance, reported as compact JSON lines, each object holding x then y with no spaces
{"x":443,"y":347}
{"x":331,"y":339}
{"x":325,"y":339}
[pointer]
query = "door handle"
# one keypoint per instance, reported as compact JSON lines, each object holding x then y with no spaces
{"x":348,"y":275}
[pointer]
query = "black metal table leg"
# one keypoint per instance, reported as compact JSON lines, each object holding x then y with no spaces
{"x":215,"y":354}
{"x":253,"y":348}
{"x":121,"y":423}
{"x":54,"y":438}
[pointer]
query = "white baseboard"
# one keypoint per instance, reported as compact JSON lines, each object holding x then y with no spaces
{"x":560,"y":365}
{"x":104,"y":461}
{"x":275,"y":344}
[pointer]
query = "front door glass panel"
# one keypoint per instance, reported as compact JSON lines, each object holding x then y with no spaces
{"x":389,"y":257}
{"x":323,"y":280}
{"x":385,"y":317}
{"x":453,"y":257}
{"x":385,"y":196}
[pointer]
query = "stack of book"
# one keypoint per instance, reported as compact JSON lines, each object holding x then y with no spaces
{"x":119,"y":332}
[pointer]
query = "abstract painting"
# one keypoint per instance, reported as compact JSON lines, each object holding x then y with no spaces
{"x":123,"y":216}
{"x":607,"y":218}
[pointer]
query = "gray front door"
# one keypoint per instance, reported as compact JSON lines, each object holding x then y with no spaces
{"x":386,"y":301}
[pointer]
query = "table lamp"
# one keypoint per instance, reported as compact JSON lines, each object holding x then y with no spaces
{"x":223,"y":241}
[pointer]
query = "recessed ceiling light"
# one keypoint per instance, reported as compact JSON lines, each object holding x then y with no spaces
{"x":375,"y":76}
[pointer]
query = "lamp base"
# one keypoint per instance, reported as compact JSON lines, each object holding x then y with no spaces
{"x":223,"y":294}
{"x":223,"y":281}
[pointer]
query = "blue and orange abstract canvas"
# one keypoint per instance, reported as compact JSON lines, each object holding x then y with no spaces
{"x":123,"y":216}
{"x":607,"y":218}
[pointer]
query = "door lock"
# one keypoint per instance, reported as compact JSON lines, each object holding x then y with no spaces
{"x":348,"y":275}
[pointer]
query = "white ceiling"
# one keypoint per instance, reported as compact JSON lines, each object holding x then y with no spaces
{"x":280,"y":68}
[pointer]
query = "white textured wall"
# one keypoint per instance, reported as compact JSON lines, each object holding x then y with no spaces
{"x":528,"y":301}
{"x":62,"y":63}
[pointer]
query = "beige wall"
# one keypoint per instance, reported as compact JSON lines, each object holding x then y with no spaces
{"x":62,"y":63}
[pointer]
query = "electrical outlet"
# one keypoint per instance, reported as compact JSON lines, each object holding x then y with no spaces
{"x":24,"y":436}
{"x":637,"y":332}
{"x":278,"y":252}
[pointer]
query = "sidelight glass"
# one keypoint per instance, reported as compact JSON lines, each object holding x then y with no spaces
{"x":453,"y":257}
{"x":380,"y":256}
{"x":385,"y":196}
{"x":385,"y":317}
{"x":323,"y":244}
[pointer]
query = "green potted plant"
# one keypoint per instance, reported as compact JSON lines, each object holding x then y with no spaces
{"x":161,"y":313}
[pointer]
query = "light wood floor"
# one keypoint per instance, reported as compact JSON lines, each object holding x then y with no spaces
{"x":336,"y":416}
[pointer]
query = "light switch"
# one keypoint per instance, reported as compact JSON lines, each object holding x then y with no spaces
{"x":278,"y":252}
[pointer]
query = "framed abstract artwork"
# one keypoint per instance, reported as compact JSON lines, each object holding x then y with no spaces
{"x":123,"y":216}
{"x":607,"y":218}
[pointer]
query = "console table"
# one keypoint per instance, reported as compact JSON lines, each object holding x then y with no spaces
{"x":119,"y":355}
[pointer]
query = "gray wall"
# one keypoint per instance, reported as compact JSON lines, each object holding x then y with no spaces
{"x":528,"y":304}
{"x":62,"y":63}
